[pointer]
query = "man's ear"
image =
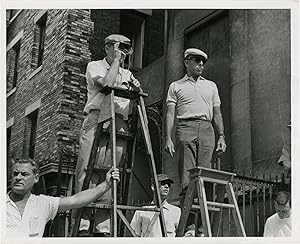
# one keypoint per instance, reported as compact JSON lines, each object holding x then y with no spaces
{"x":186,"y":63}
{"x":36,"y":178}
{"x":106,"y":49}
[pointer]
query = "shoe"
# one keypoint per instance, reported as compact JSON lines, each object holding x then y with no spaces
{"x":84,"y":233}
{"x":102,"y":234}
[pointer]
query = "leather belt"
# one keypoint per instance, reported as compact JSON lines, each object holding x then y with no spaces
{"x":195,"y":119}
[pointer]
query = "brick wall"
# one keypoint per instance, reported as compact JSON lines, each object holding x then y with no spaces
{"x":60,"y":84}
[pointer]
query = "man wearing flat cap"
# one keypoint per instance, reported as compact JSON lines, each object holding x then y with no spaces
{"x":197,"y":104}
{"x":140,"y":222}
{"x":100,"y":73}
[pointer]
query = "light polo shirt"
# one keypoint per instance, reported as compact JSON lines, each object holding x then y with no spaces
{"x":37,"y":212}
{"x":194,"y":99}
{"x":277,"y":227}
{"x":141,"y":220}
{"x":98,"y":70}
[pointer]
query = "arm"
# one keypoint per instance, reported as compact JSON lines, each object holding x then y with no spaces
{"x":169,"y":127}
{"x":111,"y":76}
{"x":218,"y":121}
{"x":85,"y":197}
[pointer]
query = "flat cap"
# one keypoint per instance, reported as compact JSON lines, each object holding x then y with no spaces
{"x":117,"y":38}
{"x":163,"y":177}
{"x":195,"y":52}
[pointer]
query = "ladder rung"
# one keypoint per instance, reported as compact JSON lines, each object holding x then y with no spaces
{"x":221,"y":205}
{"x":123,"y":134}
{"x":108,"y":205}
{"x":208,"y":207}
{"x":212,"y":175}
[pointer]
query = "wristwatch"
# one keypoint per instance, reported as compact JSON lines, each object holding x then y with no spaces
{"x":221,"y":134}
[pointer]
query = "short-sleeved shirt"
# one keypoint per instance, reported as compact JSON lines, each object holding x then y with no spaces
{"x":97,"y":70}
{"x":277,"y":227}
{"x":141,"y":220}
{"x":37,"y":212}
{"x":193,"y":99}
{"x":285,"y":157}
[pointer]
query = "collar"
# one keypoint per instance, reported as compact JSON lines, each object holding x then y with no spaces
{"x":190,"y":78}
{"x":8,"y":199}
{"x":166,"y":205}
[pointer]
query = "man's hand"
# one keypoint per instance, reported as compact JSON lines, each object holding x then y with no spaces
{"x":112,"y":174}
{"x":221,"y":145}
{"x":119,"y":56}
{"x":135,"y":82}
{"x":170,"y":147}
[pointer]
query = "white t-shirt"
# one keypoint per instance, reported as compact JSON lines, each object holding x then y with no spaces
{"x":141,"y":221}
{"x":277,"y":227}
{"x":37,"y":212}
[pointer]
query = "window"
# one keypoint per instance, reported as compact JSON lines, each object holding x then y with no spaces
{"x":132,"y":26}
{"x":39,"y":42}
{"x":30,"y":134}
{"x":13,"y":56}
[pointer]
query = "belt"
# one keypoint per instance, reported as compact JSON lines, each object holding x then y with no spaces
{"x":97,"y":111}
{"x":195,"y":119}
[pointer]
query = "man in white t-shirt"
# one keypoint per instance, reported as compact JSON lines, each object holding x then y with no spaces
{"x":100,"y":73}
{"x":141,"y":220}
{"x":280,"y":223}
{"x":27,"y":214}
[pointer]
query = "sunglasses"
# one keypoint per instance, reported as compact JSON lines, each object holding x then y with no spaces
{"x":165,"y":182}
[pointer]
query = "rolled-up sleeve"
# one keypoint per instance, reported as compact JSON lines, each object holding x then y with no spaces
{"x":171,"y":97}
{"x":94,"y":72}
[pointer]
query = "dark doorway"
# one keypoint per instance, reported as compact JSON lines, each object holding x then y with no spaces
{"x":212,"y":36}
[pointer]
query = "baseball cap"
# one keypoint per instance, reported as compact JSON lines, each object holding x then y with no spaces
{"x":163,"y":177}
{"x":195,"y":52}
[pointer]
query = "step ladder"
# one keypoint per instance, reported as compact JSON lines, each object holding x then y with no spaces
{"x":139,"y":120}
{"x":198,"y":176}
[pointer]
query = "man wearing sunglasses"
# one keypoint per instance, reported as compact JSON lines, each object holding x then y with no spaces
{"x":108,"y":71}
{"x":140,"y":222}
{"x":197,"y":104}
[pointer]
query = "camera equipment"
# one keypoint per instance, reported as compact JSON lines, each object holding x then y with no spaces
{"x":125,"y":48}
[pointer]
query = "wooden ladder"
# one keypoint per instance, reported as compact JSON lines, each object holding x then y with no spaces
{"x":139,"y":113}
{"x":198,"y":176}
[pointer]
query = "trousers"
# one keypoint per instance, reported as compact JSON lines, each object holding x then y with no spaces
{"x":87,"y":134}
{"x":195,"y":143}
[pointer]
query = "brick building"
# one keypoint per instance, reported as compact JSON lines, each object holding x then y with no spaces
{"x":48,"y":50}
